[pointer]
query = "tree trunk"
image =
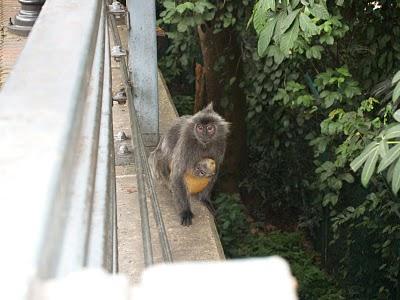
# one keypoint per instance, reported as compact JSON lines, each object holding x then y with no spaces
{"x":200,"y":100}
{"x":227,"y":96}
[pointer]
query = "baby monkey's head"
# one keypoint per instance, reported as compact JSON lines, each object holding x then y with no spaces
{"x":204,"y":168}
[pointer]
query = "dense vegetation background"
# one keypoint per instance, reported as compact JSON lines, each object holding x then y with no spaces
{"x":308,"y":85}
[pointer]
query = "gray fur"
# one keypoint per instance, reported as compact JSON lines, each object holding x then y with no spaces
{"x":182,"y":148}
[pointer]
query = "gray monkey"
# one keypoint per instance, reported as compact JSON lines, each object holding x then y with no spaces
{"x":188,"y":141}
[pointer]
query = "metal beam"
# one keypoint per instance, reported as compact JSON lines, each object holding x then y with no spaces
{"x":100,"y":250}
{"x":81,"y":188}
{"x":143,"y":66}
{"x":42,"y":121}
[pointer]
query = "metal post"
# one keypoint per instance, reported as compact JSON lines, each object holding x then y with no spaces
{"x":26,"y":17}
{"x":143,"y":65}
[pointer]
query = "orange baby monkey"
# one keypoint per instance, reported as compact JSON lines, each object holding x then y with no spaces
{"x":197,"y":179}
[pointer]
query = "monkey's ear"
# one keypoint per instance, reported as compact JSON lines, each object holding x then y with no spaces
{"x":209,"y":107}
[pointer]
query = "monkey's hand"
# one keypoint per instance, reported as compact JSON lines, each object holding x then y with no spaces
{"x":186,"y":217}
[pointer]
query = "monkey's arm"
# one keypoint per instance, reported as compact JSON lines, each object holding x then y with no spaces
{"x":180,"y":193}
{"x":205,"y":195}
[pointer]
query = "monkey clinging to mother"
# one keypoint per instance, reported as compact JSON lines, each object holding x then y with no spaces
{"x":188,"y":158}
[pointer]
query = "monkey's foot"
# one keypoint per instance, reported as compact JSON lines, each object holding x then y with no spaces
{"x":186,"y":217}
{"x":209,"y":206}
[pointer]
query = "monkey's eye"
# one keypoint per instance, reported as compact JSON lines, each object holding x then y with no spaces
{"x":202,"y":173}
{"x":210,"y":128}
{"x":199,"y":127}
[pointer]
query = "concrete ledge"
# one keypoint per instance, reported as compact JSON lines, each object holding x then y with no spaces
{"x":203,"y":224}
{"x":199,"y":242}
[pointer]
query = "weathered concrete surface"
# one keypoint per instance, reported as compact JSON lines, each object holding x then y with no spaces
{"x":197,"y":242}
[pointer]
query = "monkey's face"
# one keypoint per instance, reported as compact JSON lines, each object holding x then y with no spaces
{"x":205,"y":132}
{"x":204,"y":168}
{"x":208,"y":126}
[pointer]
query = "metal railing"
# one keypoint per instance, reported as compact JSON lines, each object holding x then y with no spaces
{"x":57,"y":170}
{"x":56,"y":148}
{"x":142,"y":168}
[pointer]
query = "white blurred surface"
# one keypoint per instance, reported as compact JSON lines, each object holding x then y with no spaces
{"x":260,"y":278}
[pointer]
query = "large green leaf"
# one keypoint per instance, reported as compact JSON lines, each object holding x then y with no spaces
{"x":393,"y":153}
{"x":169,"y":4}
{"x":396,"y":77}
{"x":383,"y":148}
{"x":347,"y":177}
{"x":359,"y":160}
{"x":288,"y":20}
{"x":396,"y":92}
{"x":288,"y":39}
{"x":396,"y":177}
{"x":389,"y":174}
{"x":330,"y":198}
{"x":199,"y":8}
{"x":281,"y":18}
{"x":184,"y":6}
{"x":396,"y":115}
{"x":182,"y":27}
{"x":259,"y":16}
{"x":343,"y":71}
{"x":392,"y":132}
{"x":314,"y":52}
{"x":369,"y":167}
{"x":274,"y":51}
{"x":319,"y":11}
{"x":265,"y":37}
{"x":295,"y":3}
{"x":307,"y":25}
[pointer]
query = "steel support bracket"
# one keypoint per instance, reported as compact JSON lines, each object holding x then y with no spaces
{"x":119,"y":11}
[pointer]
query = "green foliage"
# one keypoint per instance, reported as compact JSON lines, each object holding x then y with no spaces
{"x":386,"y":148}
{"x":240,"y":240}
{"x":396,"y":81}
{"x":388,"y":156}
{"x":187,"y":14}
{"x":284,"y":27}
{"x":334,"y":116}
{"x":179,"y":19}
{"x":184,"y":104}
{"x":319,"y":83}
{"x":374,"y":46}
